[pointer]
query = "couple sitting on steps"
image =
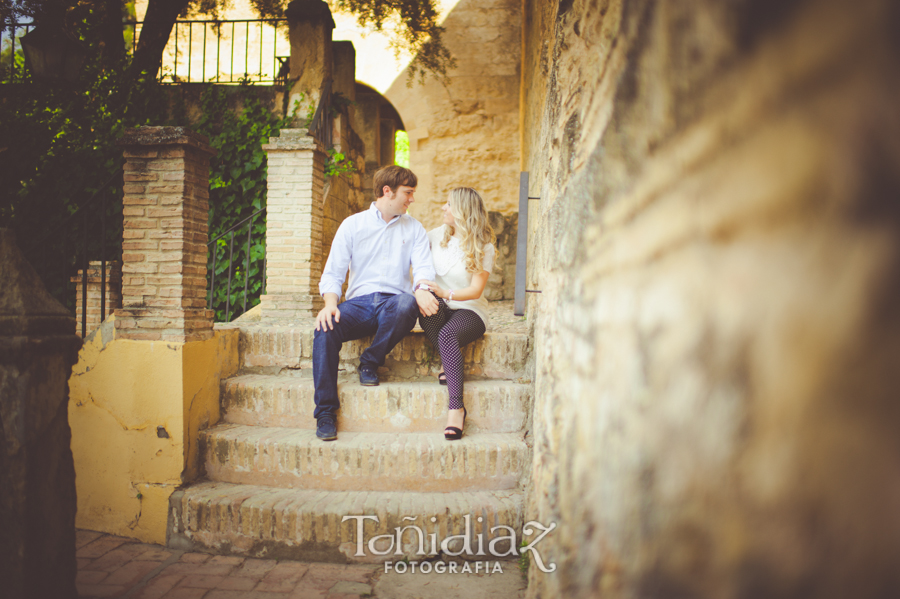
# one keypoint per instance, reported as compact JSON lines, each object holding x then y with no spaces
{"x":450,"y":265}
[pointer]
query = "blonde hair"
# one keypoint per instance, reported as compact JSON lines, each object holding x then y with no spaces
{"x":471,"y":220}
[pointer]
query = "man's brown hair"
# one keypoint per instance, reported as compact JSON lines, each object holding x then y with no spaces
{"x":393,"y":176}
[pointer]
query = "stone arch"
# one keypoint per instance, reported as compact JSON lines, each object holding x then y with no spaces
{"x":377,"y":121}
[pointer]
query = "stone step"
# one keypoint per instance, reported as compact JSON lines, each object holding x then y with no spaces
{"x":300,"y":524}
{"x":496,"y":406}
{"x":269,"y":348}
{"x":425,"y":462}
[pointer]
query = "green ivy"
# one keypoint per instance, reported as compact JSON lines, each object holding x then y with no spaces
{"x":61,"y":151}
{"x":336,"y":164}
{"x":237,"y":189}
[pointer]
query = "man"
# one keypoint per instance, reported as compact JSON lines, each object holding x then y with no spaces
{"x":378,"y":245}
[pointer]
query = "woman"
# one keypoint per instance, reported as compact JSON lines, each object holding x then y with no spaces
{"x":463,"y":253}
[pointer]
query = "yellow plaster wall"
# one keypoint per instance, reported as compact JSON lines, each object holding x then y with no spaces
{"x":120,"y":392}
{"x":206,"y":364}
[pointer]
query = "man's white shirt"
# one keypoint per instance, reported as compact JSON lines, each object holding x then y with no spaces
{"x":378,"y":255}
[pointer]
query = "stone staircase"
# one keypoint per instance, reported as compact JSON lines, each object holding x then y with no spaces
{"x":275,"y":490}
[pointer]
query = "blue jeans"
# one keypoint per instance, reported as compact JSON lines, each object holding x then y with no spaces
{"x":387,"y":316}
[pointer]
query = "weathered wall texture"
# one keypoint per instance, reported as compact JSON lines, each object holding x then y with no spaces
{"x":133,"y":442}
{"x":716,"y":345}
{"x":502,"y":282}
{"x":186,"y":99}
{"x":466,"y":133}
{"x":347,"y":193}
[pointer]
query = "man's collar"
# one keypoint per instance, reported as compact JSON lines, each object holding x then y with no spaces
{"x":380,"y":216}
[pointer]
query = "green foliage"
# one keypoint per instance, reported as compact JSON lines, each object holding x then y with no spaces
{"x":10,"y":53}
{"x":237,"y":189}
{"x":401,"y":149}
{"x":412,"y":26}
{"x":62,"y":151}
{"x":336,"y":164}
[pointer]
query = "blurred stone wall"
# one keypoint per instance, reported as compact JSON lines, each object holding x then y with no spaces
{"x":716,"y":344}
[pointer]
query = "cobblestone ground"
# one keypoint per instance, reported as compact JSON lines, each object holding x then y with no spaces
{"x":110,"y":566}
{"x":503,"y":320}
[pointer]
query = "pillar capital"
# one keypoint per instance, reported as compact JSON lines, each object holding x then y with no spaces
{"x":166,"y":136}
{"x":316,"y":11}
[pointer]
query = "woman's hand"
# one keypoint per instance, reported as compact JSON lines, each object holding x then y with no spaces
{"x":437,"y":289}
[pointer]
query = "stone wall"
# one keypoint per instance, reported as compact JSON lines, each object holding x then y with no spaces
{"x":501,"y":284}
{"x":37,"y":473}
{"x":186,"y":99}
{"x":348,"y":193}
{"x":717,"y":338}
{"x":464,"y":132}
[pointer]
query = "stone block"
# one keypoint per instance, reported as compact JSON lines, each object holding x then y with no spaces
{"x":395,"y":406}
{"x":300,"y":514}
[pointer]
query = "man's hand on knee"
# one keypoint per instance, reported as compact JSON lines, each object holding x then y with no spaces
{"x":324,"y":318}
{"x":428,"y":304}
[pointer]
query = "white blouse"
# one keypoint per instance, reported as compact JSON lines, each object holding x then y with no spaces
{"x":451,"y":273}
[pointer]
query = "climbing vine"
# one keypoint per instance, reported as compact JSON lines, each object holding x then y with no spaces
{"x":237,"y":189}
{"x":336,"y":164}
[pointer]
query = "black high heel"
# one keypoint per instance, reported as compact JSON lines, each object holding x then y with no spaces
{"x":457,"y":433}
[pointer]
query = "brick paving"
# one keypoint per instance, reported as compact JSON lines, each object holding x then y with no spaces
{"x":110,"y":566}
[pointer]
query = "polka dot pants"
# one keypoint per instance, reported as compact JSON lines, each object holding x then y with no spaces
{"x":449,"y":330}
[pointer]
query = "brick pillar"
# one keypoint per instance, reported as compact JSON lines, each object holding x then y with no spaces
{"x":166,"y":208}
{"x":113,"y":294}
{"x":294,"y":212}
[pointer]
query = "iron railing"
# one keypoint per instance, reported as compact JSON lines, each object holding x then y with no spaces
{"x":246,"y":50}
{"x":321,"y":127}
{"x":234,"y":45}
{"x":56,"y":256}
{"x":214,"y":263}
{"x":10,"y":34}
